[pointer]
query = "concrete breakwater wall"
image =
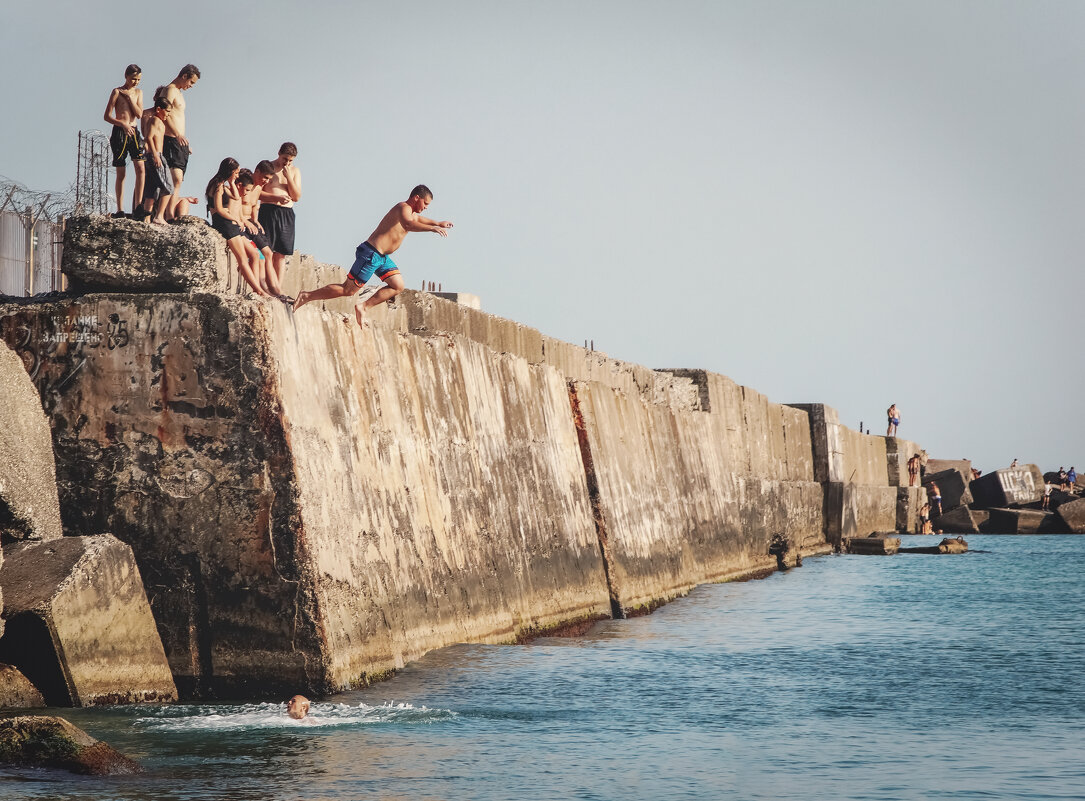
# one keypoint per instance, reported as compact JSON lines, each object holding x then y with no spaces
{"x":311,"y":504}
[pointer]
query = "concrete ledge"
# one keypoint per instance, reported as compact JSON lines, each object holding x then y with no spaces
{"x":1072,"y":515}
{"x":103,"y":254}
{"x":78,"y":623}
{"x":1012,"y":486}
{"x":1018,"y":521}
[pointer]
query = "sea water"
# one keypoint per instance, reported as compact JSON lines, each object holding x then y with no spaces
{"x":853,"y":677}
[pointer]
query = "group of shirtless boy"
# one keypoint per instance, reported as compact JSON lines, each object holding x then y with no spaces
{"x":256,"y":204}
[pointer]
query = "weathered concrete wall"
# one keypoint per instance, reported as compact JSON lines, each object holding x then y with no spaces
{"x":686,"y":497}
{"x":1010,"y":486}
{"x":28,"y":498}
{"x":440,"y":491}
{"x":78,"y":604}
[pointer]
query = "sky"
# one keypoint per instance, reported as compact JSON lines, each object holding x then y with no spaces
{"x":855,"y":203}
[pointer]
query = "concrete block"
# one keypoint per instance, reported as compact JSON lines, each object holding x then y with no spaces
{"x":79,"y":625}
{"x":28,"y":492}
{"x":957,"y":521}
{"x":462,"y":298}
{"x":909,"y":502}
{"x":1017,"y":521}
{"x":1072,"y":515}
{"x":103,"y":254}
{"x":1014,"y":486}
{"x":962,"y":466}
{"x":875,"y":545}
{"x":16,"y":691}
{"x":953,"y":487}
{"x":898,"y":451}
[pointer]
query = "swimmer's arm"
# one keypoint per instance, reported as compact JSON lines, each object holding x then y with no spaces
{"x":428,"y":221}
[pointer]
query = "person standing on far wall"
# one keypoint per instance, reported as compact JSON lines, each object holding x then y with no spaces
{"x":277,"y":199}
{"x":894,"y":420}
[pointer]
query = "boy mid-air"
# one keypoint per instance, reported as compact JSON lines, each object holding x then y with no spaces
{"x":372,"y":256}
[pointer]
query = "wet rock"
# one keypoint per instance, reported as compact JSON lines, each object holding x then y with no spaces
{"x":78,"y":625}
{"x":51,"y":742}
{"x":101,"y":253}
{"x":16,"y":691}
{"x":947,"y":545}
{"x":28,"y":494}
{"x":1011,"y":486}
{"x":1072,"y":515}
{"x":786,"y":553}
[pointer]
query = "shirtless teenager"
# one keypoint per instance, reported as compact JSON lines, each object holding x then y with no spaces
{"x":122,"y":111}
{"x":248,"y":185}
{"x":277,"y":199}
{"x":894,"y":420}
{"x":175,"y":148}
{"x":158,"y":188}
{"x":372,"y":255}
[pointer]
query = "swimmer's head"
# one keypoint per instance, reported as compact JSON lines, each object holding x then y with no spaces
{"x":297,"y":707}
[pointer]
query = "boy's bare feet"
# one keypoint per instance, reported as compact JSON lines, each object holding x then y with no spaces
{"x":359,"y":313}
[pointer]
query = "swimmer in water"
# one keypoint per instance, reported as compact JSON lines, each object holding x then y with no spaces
{"x":297,"y":707}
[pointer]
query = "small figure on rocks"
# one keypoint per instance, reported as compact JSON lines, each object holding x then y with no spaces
{"x":936,"y":498}
{"x":1013,"y":464}
{"x":925,"y":519}
{"x":894,"y":420}
{"x":1047,"y":495}
{"x":913,"y":470}
{"x":1062,"y":480}
{"x":372,"y":256}
{"x":1071,"y":479}
{"x":123,"y":111}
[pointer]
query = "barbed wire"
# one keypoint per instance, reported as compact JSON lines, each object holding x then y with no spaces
{"x":87,"y":194}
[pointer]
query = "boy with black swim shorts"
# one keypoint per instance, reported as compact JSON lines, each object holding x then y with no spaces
{"x":248,"y":188}
{"x":373,"y":255}
{"x":159,"y":185}
{"x":175,"y":147}
{"x":277,"y":199}
{"x":123,"y":111}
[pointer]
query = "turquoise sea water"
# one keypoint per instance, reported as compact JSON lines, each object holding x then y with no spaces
{"x":853,"y":677}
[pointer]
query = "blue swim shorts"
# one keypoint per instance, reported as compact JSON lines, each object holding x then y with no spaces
{"x":368,"y":261}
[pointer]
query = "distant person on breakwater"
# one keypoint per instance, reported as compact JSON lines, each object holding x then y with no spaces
{"x":913,"y":470}
{"x":894,"y":420}
{"x":1071,"y":478}
{"x":1013,"y":464}
{"x":277,"y":198}
{"x":1047,"y":495}
{"x":175,"y":146}
{"x":372,"y":256}
{"x":123,"y":111}
{"x":936,"y":498}
{"x":1062,"y":478}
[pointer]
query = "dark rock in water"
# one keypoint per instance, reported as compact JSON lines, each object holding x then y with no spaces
{"x":877,"y":544}
{"x":958,"y":521}
{"x":1016,"y":521}
{"x":29,"y":508}
{"x":49,"y":742}
{"x":1072,"y":514}
{"x":1012,"y":486}
{"x":786,"y":553}
{"x":103,"y":254}
{"x":980,"y":518}
{"x":16,"y":691}
{"x":948,"y":545}
{"x":953,"y":487}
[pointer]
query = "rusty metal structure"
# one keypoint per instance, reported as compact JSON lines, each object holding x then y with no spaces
{"x":32,"y":222}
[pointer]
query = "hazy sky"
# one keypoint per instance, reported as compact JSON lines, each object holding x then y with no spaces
{"x":854,"y":203}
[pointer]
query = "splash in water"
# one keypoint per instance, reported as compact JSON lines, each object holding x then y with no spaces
{"x":250,"y":717}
